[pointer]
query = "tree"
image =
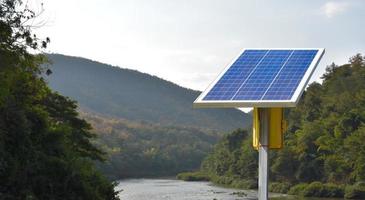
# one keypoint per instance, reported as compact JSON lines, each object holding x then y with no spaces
{"x":45,"y":148}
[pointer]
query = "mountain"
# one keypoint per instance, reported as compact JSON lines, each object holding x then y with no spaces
{"x":136,"y":96}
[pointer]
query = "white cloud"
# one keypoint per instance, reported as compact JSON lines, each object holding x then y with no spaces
{"x":331,"y":8}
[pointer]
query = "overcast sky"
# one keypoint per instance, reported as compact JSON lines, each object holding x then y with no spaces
{"x":190,"y":41}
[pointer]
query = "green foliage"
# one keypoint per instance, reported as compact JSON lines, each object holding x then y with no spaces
{"x":298,"y":189}
{"x":136,"y":96}
{"x":45,"y":148}
{"x":146,"y":150}
{"x":318,"y":189}
{"x":355,"y":192}
{"x":278,"y":187}
{"x":234,"y":182}
{"x":324,"y":141}
{"x":193,"y":176}
{"x":241,"y":183}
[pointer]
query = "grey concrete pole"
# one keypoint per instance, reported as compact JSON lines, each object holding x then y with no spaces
{"x":263,"y":193}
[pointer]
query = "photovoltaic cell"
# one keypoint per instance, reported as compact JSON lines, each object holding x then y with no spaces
{"x":230,"y":82}
{"x":263,"y":75}
{"x":288,"y":79}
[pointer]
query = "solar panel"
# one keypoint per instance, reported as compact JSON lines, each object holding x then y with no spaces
{"x":262,"y":78}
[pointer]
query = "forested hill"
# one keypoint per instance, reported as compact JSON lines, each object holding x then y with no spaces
{"x":145,"y":150}
{"x":133,"y":95}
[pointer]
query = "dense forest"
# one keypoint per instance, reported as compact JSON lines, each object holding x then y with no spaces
{"x":136,"y":96}
{"x":144,"y":150}
{"x":45,"y":148}
{"x":324,"y":153}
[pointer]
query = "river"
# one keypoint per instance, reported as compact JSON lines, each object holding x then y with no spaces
{"x":168,"y":189}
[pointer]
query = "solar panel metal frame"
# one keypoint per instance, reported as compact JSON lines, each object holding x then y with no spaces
{"x":200,"y":103}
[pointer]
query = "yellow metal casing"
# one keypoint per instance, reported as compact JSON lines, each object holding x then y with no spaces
{"x":277,"y":127}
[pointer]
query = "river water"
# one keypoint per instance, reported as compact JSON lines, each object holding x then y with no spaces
{"x":166,"y":189}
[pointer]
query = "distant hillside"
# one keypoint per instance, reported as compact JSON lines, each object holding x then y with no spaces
{"x":144,"y":150}
{"x":133,"y":95}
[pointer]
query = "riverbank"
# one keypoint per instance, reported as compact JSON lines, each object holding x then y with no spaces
{"x":223,"y":181}
{"x":314,"y":189}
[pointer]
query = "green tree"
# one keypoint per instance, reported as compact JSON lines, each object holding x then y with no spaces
{"x":45,"y":148}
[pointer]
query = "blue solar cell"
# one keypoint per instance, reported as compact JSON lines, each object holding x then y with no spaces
{"x":262,"y":75}
{"x":256,"y":85}
{"x":230,"y":82}
{"x":290,"y":76}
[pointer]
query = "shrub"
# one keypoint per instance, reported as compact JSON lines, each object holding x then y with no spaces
{"x":333,"y":190}
{"x":223,"y":180}
{"x":360,"y":183}
{"x":279,"y":187}
{"x":313,"y":190}
{"x":234,"y":182}
{"x":244,"y":184}
{"x":298,"y":189}
{"x":317,"y":189}
{"x":193,"y":176}
{"x":355,"y":192}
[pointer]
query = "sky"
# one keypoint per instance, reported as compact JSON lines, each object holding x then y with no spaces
{"x":189,"y":42}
